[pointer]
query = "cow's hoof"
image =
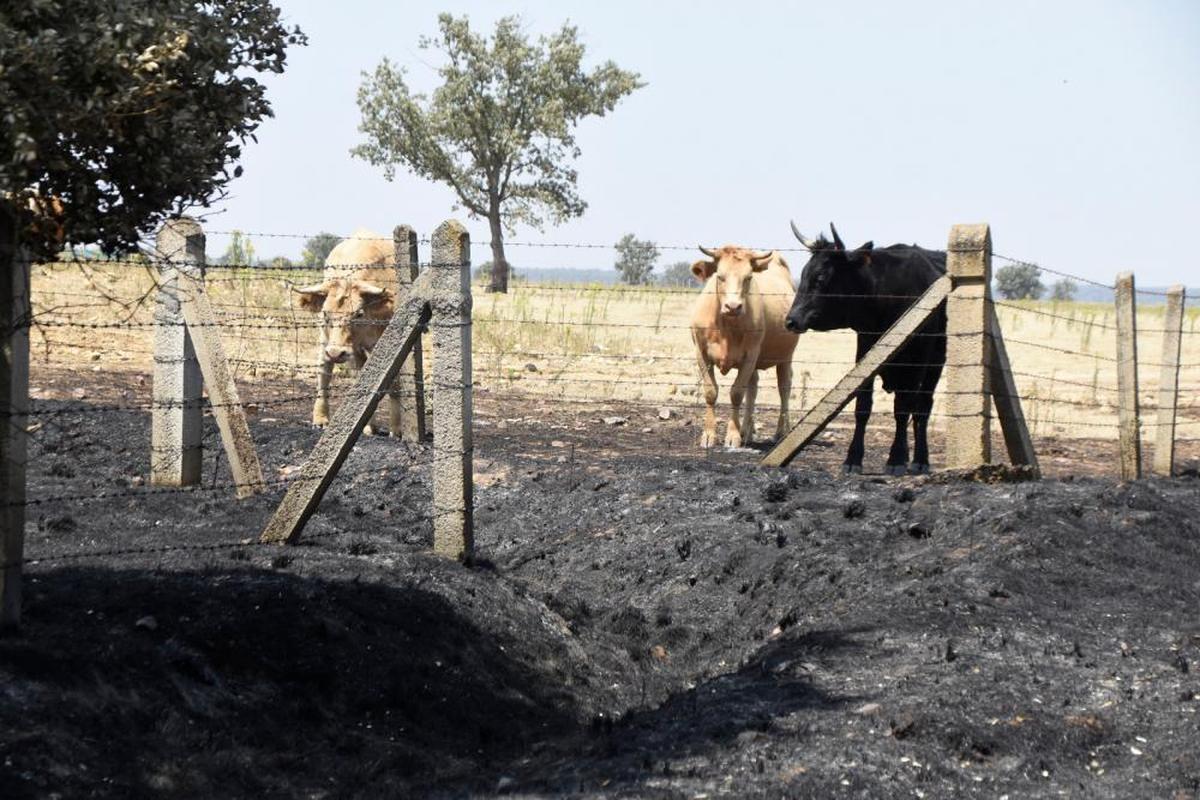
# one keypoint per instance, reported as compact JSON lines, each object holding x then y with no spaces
{"x":368,"y":430}
{"x":852,"y":469}
{"x":733,"y":442}
{"x":708,"y":440}
{"x":896,"y":470}
{"x":320,"y":423}
{"x":918,"y":469}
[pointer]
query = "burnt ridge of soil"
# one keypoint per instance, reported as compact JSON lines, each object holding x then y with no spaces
{"x":634,"y":626}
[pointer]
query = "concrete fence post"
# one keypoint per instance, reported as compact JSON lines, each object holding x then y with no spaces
{"x":1168,"y":383}
{"x":1129,"y":418}
{"x":450,"y":326}
{"x":968,"y":347}
{"x":409,"y":390}
{"x":15,"y":316}
{"x":176,"y":418}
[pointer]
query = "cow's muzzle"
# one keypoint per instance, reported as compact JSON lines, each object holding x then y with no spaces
{"x":336,"y":355}
{"x":796,"y":324}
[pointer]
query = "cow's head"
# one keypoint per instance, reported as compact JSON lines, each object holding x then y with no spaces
{"x":829,"y":284}
{"x":354,"y":314}
{"x":733,"y":268}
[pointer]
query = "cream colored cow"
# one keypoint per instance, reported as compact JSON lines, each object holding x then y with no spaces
{"x":355,"y":301}
{"x":738,"y":323}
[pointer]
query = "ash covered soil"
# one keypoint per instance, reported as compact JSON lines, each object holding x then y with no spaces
{"x":639,"y":622}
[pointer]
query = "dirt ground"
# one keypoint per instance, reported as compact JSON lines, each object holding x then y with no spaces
{"x":642,"y":620}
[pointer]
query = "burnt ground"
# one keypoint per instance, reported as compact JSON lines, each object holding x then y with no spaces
{"x":641,"y":621}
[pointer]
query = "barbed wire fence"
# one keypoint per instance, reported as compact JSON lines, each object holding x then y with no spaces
{"x":564,"y":377}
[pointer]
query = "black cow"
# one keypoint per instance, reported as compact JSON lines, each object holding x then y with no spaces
{"x":867,"y":290}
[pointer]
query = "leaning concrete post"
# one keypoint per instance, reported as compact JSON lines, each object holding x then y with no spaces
{"x":1168,"y":383}
{"x":410,"y":385}
{"x":15,"y":316}
{"x":176,"y":420}
{"x":450,"y":326}
{"x":968,"y":348}
{"x":1127,"y":379}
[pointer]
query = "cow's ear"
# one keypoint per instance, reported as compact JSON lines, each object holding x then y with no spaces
{"x":761,"y":262}
{"x":703,"y":270}
{"x":312,"y":298}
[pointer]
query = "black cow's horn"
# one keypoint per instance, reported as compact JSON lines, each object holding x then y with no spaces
{"x":800,"y":236}
{"x":708,"y":252}
{"x":837,"y":240}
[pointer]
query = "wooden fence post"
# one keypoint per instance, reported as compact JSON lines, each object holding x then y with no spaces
{"x":176,"y":420}
{"x":450,"y":325}
{"x":968,"y":347}
{"x":15,"y":316}
{"x":227,"y":408}
{"x":1127,"y":379}
{"x":1168,"y":383}
{"x":410,"y":385}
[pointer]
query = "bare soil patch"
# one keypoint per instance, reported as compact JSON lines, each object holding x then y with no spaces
{"x":643,"y":620}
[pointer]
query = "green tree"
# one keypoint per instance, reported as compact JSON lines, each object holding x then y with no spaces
{"x":635,"y":259}
{"x":240,"y":251}
{"x":483,"y":272}
{"x":500,"y":130}
{"x":1019,"y":282}
{"x":677,"y":274}
{"x":317,"y":248}
{"x":281,"y":262}
{"x":129,"y":112}
{"x":1063,"y":290}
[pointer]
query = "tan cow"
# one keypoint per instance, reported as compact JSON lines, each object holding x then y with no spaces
{"x":738,"y":323}
{"x":356,"y":300}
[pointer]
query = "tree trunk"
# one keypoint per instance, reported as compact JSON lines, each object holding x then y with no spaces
{"x":499,"y":263}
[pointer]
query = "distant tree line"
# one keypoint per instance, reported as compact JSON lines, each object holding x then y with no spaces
{"x":636,"y":259}
{"x":1022,"y":281}
{"x":241,"y":252}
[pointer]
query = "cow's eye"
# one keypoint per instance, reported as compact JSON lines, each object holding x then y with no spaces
{"x":720,"y":279}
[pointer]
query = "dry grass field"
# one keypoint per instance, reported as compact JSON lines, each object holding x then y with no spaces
{"x":575,"y":344}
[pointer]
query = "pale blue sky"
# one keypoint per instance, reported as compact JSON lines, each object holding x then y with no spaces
{"x":1071,"y":127}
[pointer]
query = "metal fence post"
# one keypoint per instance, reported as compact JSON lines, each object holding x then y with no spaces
{"x":968,"y":349}
{"x":1168,"y":383}
{"x":1127,"y":379}
{"x":409,"y":392}
{"x":176,"y":419}
{"x":450,"y":326}
{"x":15,"y":316}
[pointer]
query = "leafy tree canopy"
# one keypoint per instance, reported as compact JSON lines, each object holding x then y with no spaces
{"x":1064,"y":290}
{"x":635,"y":259}
{"x":239,"y":252}
{"x":1019,"y":282}
{"x":129,"y":112}
{"x":317,"y":248}
{"x":677,"y":274}
{"x":500,"y":129}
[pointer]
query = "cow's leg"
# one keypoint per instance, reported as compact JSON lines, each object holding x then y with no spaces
{"x":897,"y":463}
{"x":709,"y":384}
{"x":748,"y":409}
{"x":783,"y":377}
{"x":737,"y":393}
{"x":395,"y":410}
{"x":360,"y":358}
{"x":863,"y":402}
{"x":923,"y":406}
{"x":320,"y":414}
